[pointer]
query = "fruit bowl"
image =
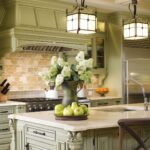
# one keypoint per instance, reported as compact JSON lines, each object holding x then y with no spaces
{"x":71,"y":112}
{"x":71,"y":118}
{"x":102,"y":91}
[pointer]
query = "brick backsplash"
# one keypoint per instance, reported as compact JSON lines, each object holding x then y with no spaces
{"x":22,"y":70}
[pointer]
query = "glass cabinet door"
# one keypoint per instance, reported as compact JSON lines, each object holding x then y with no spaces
{"x":96,"y":51}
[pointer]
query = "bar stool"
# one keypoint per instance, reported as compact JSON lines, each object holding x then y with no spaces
{"x":125,"y":125}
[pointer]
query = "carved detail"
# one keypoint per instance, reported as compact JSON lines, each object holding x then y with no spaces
{"x":75,"y":140}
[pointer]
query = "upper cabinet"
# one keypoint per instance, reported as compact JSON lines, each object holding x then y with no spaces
{"x":40,"y":17}
{"x":97,"y":50}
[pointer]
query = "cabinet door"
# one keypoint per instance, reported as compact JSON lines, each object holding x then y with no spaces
{"x":96,"y":51}
{"x":130,"y":143}
{"x":106,"y":140}
{"x":33,"y":147}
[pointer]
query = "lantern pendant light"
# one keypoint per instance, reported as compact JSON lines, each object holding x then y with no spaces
{"x":81,"y":20}
{"x":135,"y":29}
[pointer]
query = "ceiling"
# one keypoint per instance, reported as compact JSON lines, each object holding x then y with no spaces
{"x":108,"y":6}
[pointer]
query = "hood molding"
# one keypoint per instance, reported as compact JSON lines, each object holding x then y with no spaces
{"x":23,"y":24}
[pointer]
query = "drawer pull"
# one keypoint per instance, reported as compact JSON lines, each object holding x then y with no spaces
{"x":6,"y":129}
{"x":40,"y":133}
{"x":2,"y":112}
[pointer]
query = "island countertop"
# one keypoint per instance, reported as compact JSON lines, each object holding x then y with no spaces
{"x":97,"y":119}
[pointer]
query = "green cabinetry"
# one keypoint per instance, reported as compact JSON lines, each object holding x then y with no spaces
{"x":5,"y":131}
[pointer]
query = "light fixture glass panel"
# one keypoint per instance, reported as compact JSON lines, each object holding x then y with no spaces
{"x":139,"y":25}
{"x":92,"y":17}
{"x":132,"y":25}
{"x":75,"y":24}
{"x":132,"y":32}
{"x":126,"y":33}
{"x":69,"y":17}
{"x":145,"y":25}
{"x":69,"y":25}
{"x":139,"y":32}
{"x":75,"y":16}
{"x":91,"y":25}
{"x":84,"y":16}
{"x":145,"y":32}
{"x":83,"y":24}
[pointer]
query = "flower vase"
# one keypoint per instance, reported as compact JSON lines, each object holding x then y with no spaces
{"x":70,"y":92}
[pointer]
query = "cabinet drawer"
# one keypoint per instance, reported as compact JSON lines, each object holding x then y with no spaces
{"x":99,"y":103}
{"x":6,"y":110}
{"x":5,"y":137}
{"x":4,"y":147}
{"x":40,"y":133}
{"x":4,"y":118}
{"x":4,"y":126}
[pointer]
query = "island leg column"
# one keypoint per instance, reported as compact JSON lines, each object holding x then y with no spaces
{"x":75,"y":140}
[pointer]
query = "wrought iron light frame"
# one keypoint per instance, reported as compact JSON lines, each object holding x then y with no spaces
{"x":81,"y":20}
{"x":135,"y":28}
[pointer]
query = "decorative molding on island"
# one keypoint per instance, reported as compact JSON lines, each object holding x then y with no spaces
{"x":75,"y":140}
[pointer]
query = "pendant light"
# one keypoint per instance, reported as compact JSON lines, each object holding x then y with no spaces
{"x":135,"y":29}
{"x":81,"y":20}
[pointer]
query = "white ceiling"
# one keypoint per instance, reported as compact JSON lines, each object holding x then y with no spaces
{"x":111,"y":5}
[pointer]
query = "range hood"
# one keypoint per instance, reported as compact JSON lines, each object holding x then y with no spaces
{"x":54,"y":47}
{"x":37,"y":25}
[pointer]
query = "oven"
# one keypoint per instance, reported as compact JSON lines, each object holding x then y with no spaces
{"x":45,"y":104}
{"x":39,"y":104}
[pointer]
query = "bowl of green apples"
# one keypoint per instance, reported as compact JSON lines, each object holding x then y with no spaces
{"x":71,"y":112}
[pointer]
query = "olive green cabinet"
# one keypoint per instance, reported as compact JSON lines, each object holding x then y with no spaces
{"x":38,"y":137}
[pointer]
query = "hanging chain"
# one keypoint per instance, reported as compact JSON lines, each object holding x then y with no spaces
{"x":134,"y":13}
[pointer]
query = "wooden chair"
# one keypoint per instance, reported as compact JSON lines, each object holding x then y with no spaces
{"x":125,"y":125}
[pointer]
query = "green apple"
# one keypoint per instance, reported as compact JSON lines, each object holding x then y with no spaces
{"x":85,"y":109}
{"x":78,"y":111}
{"x":68,"y":111}
{"x":59,"y":110}
{"x":74,"y":105}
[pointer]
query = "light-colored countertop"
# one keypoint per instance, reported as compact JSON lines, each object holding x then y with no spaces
{"x":103,"y":97}
{"x":97,"y":119}
{"x":11,"y":103}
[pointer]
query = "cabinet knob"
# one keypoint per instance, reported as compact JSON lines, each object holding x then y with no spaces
{"x":27,"y":146}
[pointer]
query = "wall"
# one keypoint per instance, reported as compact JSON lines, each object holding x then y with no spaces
{"x":114,"y":56}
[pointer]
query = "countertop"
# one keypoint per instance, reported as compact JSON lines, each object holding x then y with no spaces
{"x":11,"y":103}
{"x":97,"y":118}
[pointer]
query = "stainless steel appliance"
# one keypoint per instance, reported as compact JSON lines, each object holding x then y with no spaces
{"x":137,"y":80}
{"x":45,"y":104}
{"x":38,"y":104}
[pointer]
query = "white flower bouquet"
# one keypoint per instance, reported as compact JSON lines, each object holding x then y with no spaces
{"x":61,"y":71}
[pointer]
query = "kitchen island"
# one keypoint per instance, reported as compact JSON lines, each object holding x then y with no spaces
{"x":40,"y":130}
